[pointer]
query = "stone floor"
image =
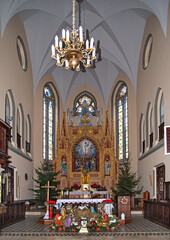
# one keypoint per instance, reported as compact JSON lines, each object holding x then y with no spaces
{"x":140,"y":228}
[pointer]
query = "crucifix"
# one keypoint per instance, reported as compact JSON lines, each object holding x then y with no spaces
{"x":48,"y":191}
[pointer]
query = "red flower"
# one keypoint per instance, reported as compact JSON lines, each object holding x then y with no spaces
{"x":107,"y":228}
{"x":60,"y":229}
{"x":64,"y":228}
{"x":50,"y":203}
{"x":107,"y":201}
{"x":76,"y":186}
{"x":73,"y":229}
{"x":95,"y":185}
{"x":98,"y":229}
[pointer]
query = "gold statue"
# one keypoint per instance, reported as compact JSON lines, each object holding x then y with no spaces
{"x":85,"y":176}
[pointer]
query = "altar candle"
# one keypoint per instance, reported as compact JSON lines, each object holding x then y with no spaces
{"x":122,"y":216}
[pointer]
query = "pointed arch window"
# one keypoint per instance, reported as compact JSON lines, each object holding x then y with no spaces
{"x":141,"y":135}
{"x":122,"y":123}
{"x":20,"y":127}
{"x":85,"y":102}
{"x":28,"y":134}
{"x":159,"y":115}
{"x":48,"y":123}
{"x":7,"y":110}
{"x":10,"y":112}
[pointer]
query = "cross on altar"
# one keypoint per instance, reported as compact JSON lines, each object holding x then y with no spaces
{"x":48,"y":191}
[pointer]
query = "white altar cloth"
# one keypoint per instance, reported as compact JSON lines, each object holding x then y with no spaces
{"x":60,"y":202}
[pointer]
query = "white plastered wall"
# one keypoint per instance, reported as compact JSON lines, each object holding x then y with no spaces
{"x":149,"y":80}
{"x":20,"y":82}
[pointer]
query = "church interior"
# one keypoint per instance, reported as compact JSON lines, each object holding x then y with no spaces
{"x":88,"y":110}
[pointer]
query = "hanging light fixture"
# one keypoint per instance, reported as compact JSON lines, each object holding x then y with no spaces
{"x":71,"y":49}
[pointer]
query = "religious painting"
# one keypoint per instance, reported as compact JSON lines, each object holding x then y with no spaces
{"x":85,"y":157}
{"x":63,"y":166}
{"x":107,"y":165}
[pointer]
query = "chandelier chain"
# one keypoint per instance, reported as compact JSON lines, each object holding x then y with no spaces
{"x":72,"y":49}
{"x":73,"y":15}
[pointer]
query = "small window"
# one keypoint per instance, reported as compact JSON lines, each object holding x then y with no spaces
{"x":22,"y":55}
{"x":147,"y":51}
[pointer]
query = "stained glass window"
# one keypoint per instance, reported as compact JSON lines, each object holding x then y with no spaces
{"x":122,"y":123}
{"x":85,"y":102}
{"x":48,"y":123}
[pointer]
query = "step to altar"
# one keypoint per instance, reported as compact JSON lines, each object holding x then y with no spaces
{"x":45,"y":221}
{"x":35,"y":212}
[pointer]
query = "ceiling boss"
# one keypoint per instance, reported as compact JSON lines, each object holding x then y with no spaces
{"x":71,"y":49}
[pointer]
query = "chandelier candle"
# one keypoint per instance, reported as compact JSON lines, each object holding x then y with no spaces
{"x":70,"y":49}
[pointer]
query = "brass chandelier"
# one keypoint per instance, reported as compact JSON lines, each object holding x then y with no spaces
{"x":71,"y":49}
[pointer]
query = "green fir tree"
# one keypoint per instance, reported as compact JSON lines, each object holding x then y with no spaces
{"x":44,"y":174}
{"x":128,"y":182}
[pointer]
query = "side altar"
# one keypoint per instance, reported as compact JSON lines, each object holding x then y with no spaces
{"x":85,"y":155}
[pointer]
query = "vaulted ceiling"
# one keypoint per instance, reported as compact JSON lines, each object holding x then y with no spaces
{"x":117,"y":24}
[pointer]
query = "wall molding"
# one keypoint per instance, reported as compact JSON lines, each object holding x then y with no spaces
{"x":19,"y":152}
{"x":152,"y":150}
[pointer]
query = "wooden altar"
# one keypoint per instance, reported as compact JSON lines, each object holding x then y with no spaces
{"x":102,"y":168}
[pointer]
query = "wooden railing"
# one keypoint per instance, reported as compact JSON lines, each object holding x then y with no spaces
{"x":157,"y":212}
{"x":15,"y":212}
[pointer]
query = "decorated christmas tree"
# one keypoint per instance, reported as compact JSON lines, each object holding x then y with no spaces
{"x":44,"y":174}
{"x":128,"y":182}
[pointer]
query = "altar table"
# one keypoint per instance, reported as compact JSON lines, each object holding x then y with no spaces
{"x":60,"y":202}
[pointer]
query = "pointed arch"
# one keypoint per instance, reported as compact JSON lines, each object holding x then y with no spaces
{"x":10,"y":111}
{"x":28,"y":134}
{"x":81,"y":98}
{"x":149,"y":128}
{"x":121,"y":107}
{"x":20,"y":126}
{"x":159,"y":115}
{"x":141,"y":134}
{"x":51,"y":114}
